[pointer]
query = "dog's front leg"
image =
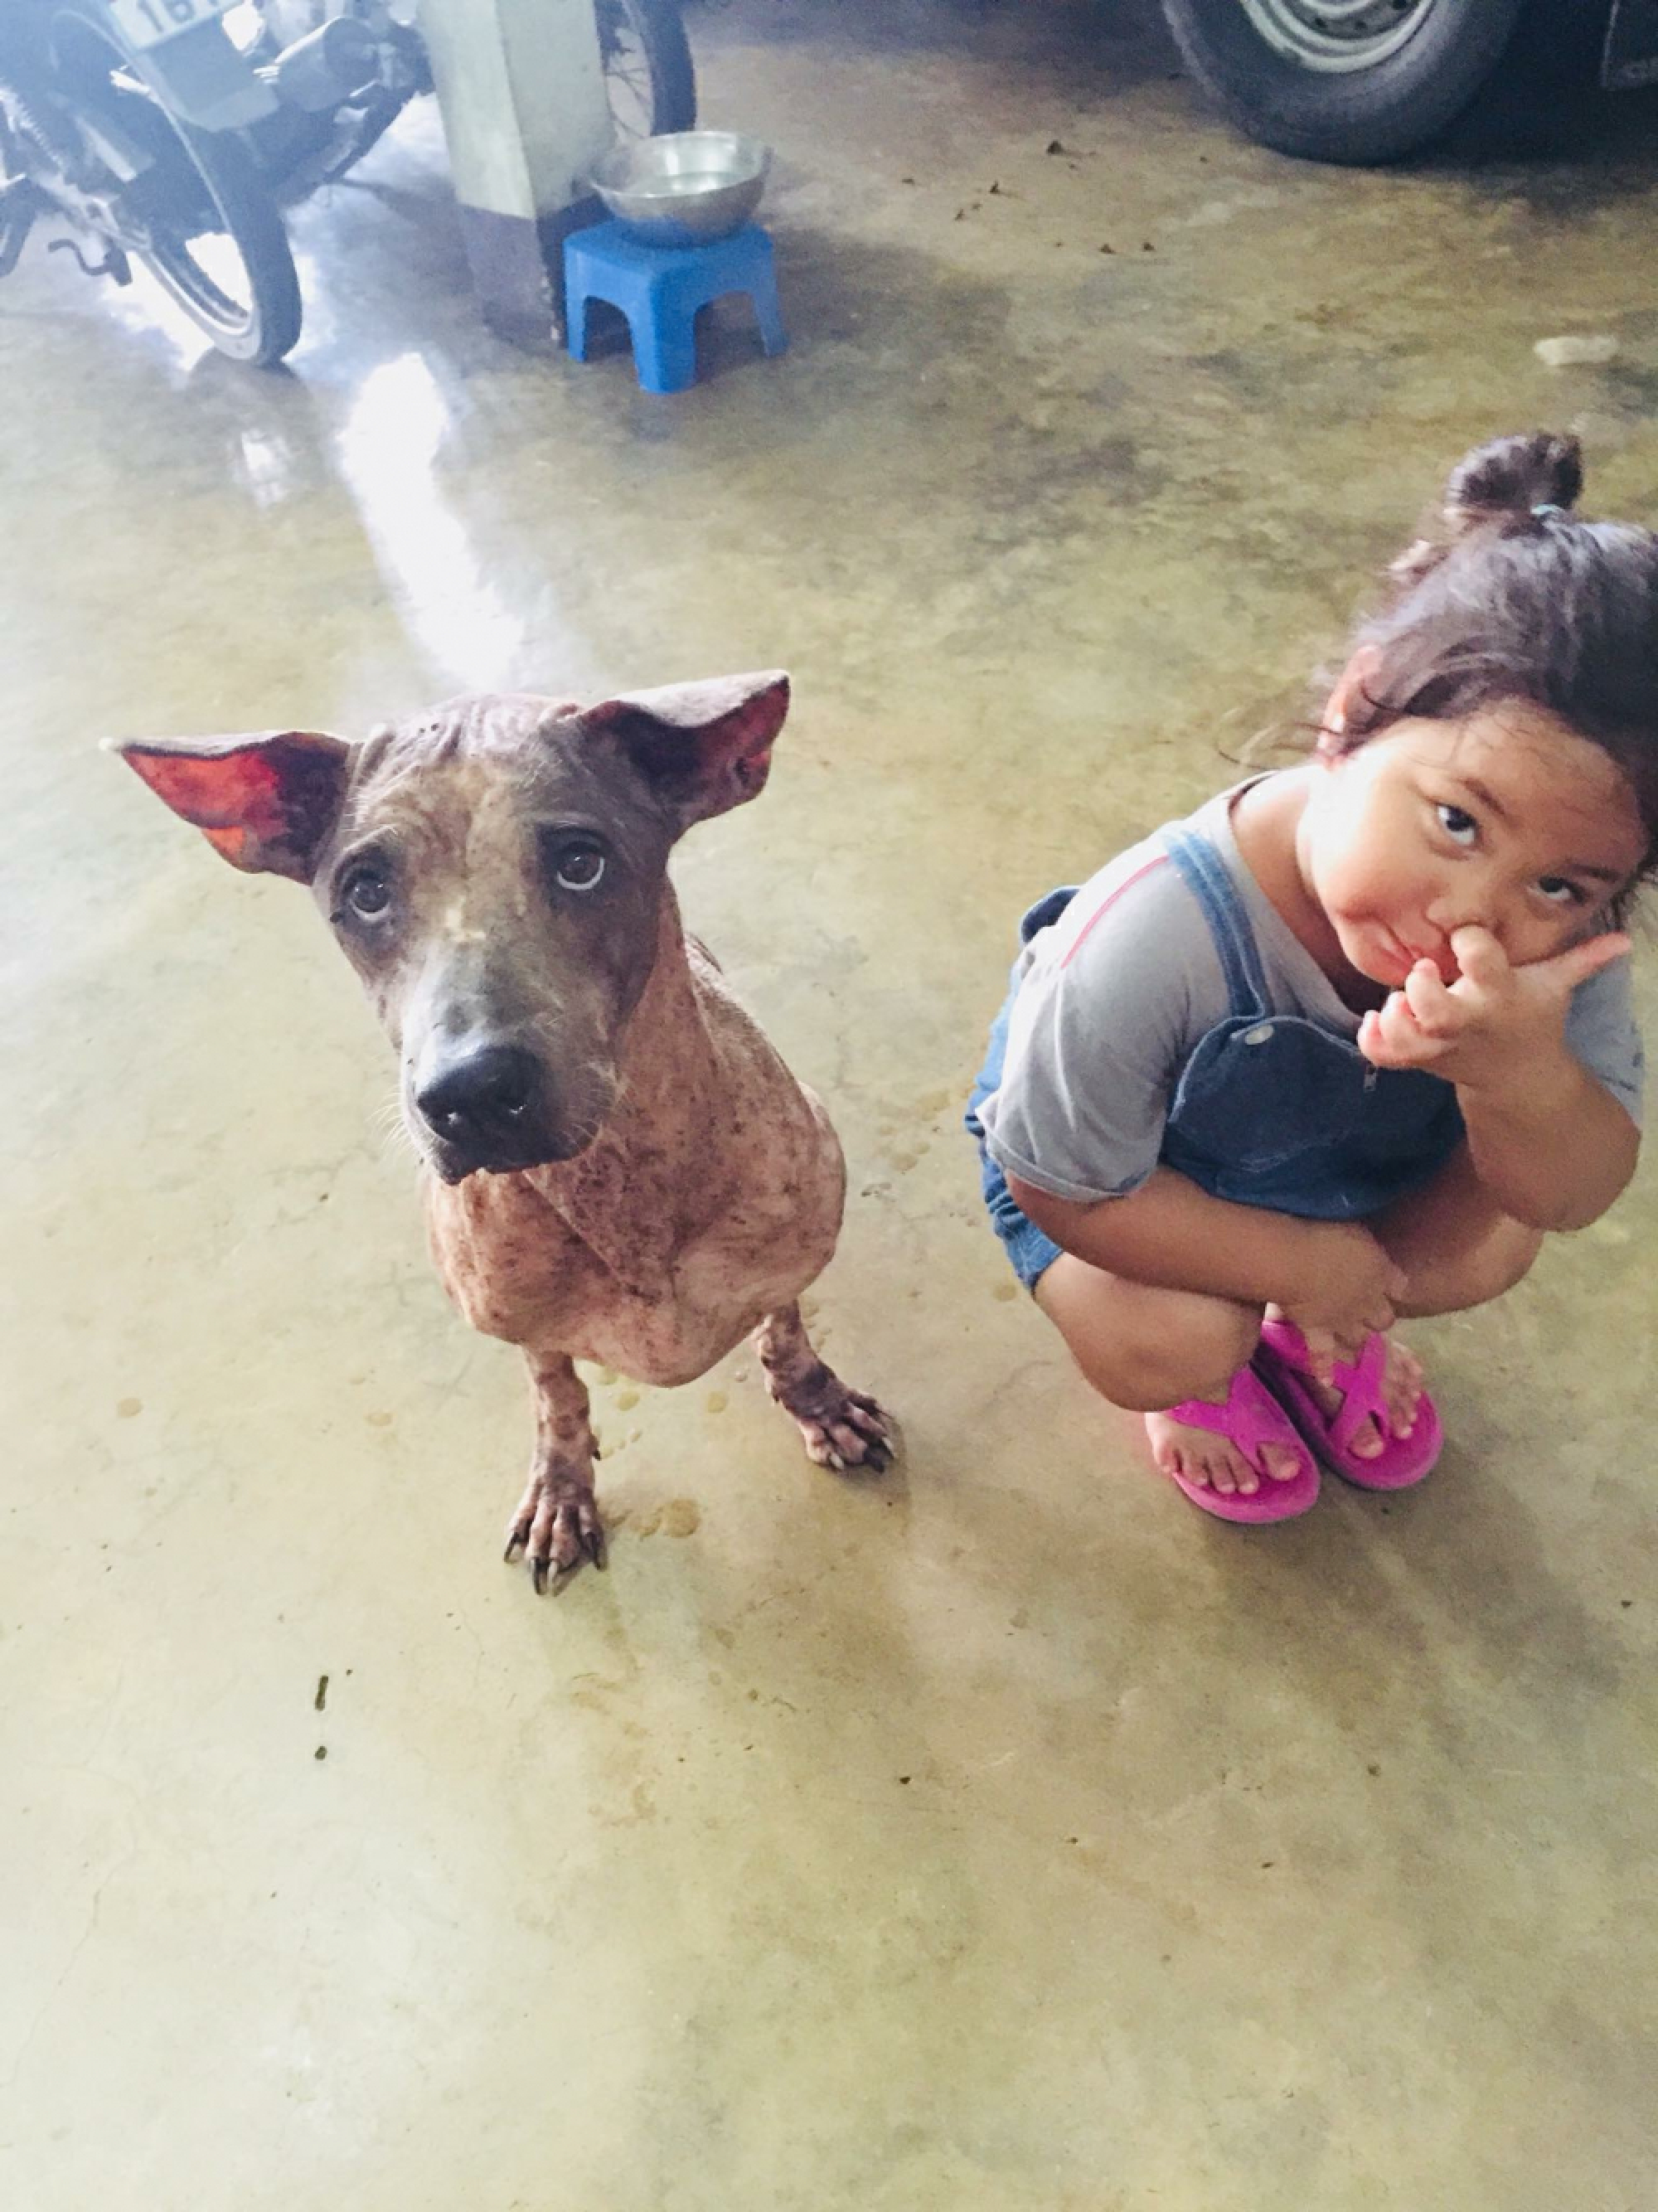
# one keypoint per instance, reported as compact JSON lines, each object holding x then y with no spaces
{"x":839,"y":1427}
{"x":557,"y":1525}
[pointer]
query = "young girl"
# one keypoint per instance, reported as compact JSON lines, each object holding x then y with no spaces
{"x":1344,"y":1044}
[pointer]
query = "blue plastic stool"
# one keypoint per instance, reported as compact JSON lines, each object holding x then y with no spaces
{"x":660,"y":289}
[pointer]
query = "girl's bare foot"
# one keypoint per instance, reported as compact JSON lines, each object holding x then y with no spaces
{"x":1204,"y":1457}
{"x":1402,"y":1386}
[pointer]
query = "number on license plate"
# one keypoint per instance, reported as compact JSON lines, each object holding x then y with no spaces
{"x":146,"y":22}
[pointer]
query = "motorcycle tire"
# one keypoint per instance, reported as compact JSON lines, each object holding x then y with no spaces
{"x":667,"y":100}
{"x":1366,"y":86}
{"x":267,"y":327}
{"x":222,"y":179}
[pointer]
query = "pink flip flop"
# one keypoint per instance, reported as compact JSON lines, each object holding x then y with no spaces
{"x":1251,"y":1417}
{"x":1283,"y":1366}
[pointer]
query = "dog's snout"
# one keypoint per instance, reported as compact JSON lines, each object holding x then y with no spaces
{"x":483,"y":1101}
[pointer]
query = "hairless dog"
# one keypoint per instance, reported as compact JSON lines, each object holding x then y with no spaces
{"x":620,"y":1168}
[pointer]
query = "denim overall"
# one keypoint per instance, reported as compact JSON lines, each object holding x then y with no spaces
{"x":1272,"y":1110}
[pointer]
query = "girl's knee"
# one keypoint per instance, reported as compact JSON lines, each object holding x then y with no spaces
{"x":1486,"y":1270}
{"x":1145,"y":1349}
{"x":1502,"y":1261}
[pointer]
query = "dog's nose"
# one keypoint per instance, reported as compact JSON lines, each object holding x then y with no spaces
{"x":484,"y":1099}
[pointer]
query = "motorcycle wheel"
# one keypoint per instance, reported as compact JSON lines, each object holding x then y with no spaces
{"x":217,"y":245}
{"x":1353,"y":81}
{"x":647,"y":66}
{"x":263,"y":325}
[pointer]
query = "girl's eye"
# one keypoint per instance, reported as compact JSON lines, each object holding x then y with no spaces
{"x":1558,"y":891}
{"x":368,"y":892}
{"x":1458,"y":825}
{"x":580,"y":868}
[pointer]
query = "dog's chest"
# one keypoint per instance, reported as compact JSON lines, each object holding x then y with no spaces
{"x":633,"y":1262}
{"x":712,"y":1196}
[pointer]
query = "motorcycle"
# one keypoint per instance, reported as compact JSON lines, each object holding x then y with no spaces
{"x":172,"y":132}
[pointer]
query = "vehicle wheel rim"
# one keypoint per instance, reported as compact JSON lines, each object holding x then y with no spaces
{"x":1336,"y":36}
{"x":194,"y":272}
{"x":196,"y":266}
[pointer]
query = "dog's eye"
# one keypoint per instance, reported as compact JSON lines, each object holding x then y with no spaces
{"x":366,"y":892}
{"x":580,"y":867}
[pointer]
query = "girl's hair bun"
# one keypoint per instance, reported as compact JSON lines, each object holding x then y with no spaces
{"x":1512,"y":476}
{"x":1496,"y":488}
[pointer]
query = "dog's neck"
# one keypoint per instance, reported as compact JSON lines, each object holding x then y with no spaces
{"x":656,"y":1164}
{"x":670,"y":1083}
{"x":669,"y":1075}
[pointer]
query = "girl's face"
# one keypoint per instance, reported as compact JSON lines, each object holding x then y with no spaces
{"x":1507,"y":819}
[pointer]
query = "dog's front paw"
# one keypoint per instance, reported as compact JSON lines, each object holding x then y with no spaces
{"x":556,"y":1527}
{"x":839,"y":1426}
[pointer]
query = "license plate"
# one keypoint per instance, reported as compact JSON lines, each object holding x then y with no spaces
{"x":146,"y":23}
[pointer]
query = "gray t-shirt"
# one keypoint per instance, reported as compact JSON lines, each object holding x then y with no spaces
{"x":1113,"y":998}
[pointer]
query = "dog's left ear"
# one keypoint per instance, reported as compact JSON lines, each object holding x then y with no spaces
{"x":266,"y":802}
{"x":702,"y":747}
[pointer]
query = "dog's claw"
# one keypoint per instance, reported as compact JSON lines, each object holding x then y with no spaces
{"x":841,"y":1429}
{"x":557,"y":1527}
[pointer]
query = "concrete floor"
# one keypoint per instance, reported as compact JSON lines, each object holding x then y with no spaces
{"x":1001,"y":1837}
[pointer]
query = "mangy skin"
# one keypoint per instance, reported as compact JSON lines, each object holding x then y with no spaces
{"x":661,"y":1185}
{"x":710,"y":1196}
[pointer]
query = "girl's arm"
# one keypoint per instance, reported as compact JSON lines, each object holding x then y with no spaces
{"x":1556,"y":1153}
{"x":1172,"y":1235}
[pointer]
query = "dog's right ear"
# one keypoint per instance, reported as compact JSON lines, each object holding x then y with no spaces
{"x":266,"y":802}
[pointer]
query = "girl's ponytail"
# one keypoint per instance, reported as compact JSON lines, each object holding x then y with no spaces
{"x":1514,"y":483}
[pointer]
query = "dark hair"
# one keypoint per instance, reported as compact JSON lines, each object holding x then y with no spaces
{"x":1515,"y":598}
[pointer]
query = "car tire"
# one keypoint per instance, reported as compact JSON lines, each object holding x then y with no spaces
{"x":1283,"y":77}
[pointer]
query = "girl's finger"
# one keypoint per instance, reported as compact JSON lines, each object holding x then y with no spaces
{"x":1320,"y":1352}
{"x":1390,"y":1039}
{"x":1372,"y":1041}
{"x":1405,"y":1043}
{"x":1403,"y":1033}
{"x":1429,"y":1000}
{"x":1480,"y":957}
{"x":1572,"y":968}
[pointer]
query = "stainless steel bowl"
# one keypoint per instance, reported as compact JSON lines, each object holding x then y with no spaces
{"x":685,"y":188}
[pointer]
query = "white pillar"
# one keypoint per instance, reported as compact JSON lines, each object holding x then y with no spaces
{"x":522,"y":88}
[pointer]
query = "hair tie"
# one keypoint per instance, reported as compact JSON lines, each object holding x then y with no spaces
{"x":1547,"y":507}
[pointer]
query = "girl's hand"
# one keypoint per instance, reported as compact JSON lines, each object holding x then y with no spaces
{"x":1489,"y":1027}
{"x":1347,"y":1295}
